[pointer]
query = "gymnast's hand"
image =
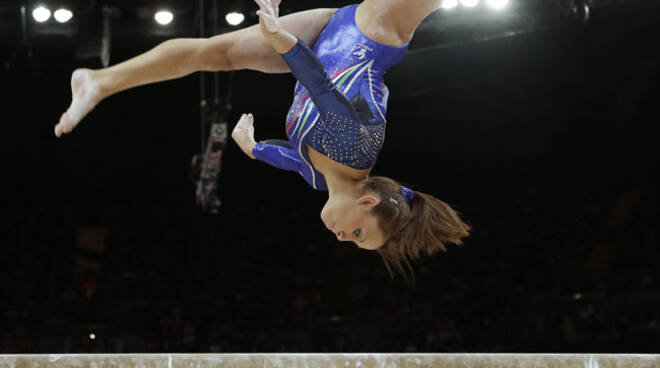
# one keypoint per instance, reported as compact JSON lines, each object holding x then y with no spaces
{"x":243,"y":134}
{"x":281,"y":40}
{"x":268,"y":13}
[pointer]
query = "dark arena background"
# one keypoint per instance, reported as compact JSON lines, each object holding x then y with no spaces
{"x":538,"y":122}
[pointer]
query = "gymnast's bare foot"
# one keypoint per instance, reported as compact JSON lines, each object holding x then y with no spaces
{"x":86,"y":94}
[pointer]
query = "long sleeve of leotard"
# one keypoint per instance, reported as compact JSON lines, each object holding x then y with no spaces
{"x":309,"y":71}
{"x":278,"y":153}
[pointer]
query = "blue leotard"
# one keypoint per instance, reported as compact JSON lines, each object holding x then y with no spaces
{"x":339,"y":103}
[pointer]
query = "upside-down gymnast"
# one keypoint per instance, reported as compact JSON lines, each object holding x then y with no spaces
{"x":336,"y":124}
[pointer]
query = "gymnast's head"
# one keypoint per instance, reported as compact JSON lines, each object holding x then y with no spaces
{"x":398,"y":223}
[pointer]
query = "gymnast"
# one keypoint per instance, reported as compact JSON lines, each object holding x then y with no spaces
{"x":336,"y":124}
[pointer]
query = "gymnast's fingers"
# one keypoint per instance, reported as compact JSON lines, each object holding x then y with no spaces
{"x":276,"y":7}
{"x":263,"y":5}
{"x":238,"y":128}
{"x":265,"y":15}
{"x":262,"y":14}
{"x":242,"y":122}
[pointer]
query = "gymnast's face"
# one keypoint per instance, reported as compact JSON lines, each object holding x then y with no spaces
{"x":350,"y":220}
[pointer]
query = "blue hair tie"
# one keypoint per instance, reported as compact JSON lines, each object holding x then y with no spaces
{"x":408,"y":194}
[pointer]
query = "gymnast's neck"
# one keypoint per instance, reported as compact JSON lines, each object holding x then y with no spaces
{"x":340,"y":179}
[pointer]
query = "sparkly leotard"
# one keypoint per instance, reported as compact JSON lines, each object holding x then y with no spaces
{"x":339,"y":103}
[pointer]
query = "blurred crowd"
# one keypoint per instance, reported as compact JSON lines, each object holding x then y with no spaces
{"x":560,"y":266}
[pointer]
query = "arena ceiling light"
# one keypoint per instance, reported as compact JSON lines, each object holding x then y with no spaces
{"x":235,"y":18}
{"x":449,"y":4}
{"x":469,"y":3}
{"x":164,"y":17}
{"x":41,"y":14}
{"x":497,"y":4}
{"x":63,"y":15}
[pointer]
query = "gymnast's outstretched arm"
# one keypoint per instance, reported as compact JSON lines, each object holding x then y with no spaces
{"x":307,"y":68}
{"x":304,"y":65}
{"x":275,"y":152}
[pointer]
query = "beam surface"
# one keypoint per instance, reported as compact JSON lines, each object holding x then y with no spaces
{"x":330,"y":360}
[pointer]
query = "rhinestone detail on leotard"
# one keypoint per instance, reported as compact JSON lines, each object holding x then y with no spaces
{"x":347,"y":141}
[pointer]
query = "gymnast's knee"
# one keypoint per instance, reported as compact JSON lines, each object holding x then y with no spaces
{"x":215,"y":56}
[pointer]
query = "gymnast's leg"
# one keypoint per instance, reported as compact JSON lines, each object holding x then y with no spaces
{"x":242,"y":49}
{"x":393,"y":22}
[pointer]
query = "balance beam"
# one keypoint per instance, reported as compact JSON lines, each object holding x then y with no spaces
{"x":331,"y":360}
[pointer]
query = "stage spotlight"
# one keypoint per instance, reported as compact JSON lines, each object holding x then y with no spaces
{"x":449,"y":4}
{"x":164,"y":17}
{"x":235,"y":18}
{"x":41,"y":14}
{"x":469,"y":3}
{"x":92,"y":336}
{"x":498,"y":4}
{"x":63,"y":15}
